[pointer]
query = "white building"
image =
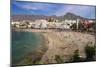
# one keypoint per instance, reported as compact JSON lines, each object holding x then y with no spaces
{"x":40,"y":24}
{"x":43,"y":24}
{"x":70,"y":22}
{"x":15,"y":23}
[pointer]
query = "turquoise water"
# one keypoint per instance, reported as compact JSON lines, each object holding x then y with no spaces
{"x":23,"y":43}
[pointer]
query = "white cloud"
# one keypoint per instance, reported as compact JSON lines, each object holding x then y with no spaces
{"x":62,"y":11}
{"x":76,"y":9}
{"x":32,"y":6}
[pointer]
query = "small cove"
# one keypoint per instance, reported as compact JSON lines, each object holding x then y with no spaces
{"x":24,"y":43}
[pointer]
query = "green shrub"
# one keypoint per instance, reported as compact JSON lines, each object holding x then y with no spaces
{"x":58,"y":59}
{"x":76,"y":57}
{"x":90,"y":52}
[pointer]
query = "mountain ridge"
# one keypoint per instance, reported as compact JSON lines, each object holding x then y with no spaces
{"x":69,"y":16}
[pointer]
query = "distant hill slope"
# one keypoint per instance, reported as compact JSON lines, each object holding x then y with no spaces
{"x":69,"y":16}
{"x":72,"y":16}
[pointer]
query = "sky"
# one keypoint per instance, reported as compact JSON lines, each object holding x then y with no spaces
{"x":49,"y":9}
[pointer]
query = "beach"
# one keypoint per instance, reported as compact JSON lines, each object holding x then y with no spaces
{"x":64,"y":44}
{"x":61,"y":43}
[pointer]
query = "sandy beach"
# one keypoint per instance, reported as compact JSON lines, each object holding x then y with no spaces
{"x":64,"y":44}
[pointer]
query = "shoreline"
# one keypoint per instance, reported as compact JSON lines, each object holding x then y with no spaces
{"x":36,"y":54}
{"x":63,"y":44}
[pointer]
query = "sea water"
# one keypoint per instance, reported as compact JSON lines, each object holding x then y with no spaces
{"x":23,"y":43}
